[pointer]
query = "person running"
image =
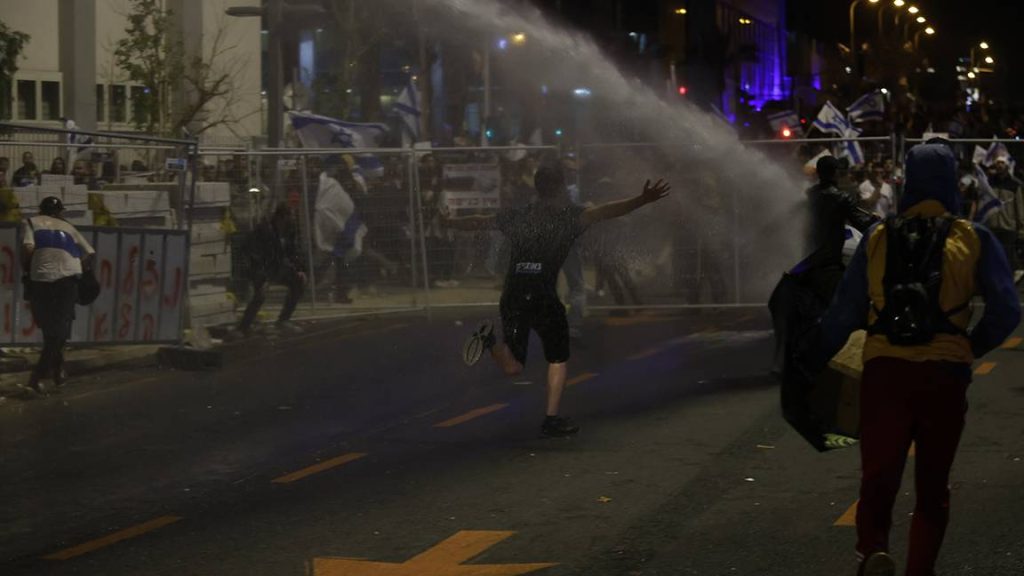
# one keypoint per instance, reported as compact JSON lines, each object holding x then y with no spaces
{"x":540,"y":237}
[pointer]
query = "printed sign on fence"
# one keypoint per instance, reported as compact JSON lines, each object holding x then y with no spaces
{"x":142,"y":288}
{"x":471,"y":187}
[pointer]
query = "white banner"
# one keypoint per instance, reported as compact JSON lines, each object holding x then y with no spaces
{"x":471,"y":187}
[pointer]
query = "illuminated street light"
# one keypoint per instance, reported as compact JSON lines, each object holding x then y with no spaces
{"x":929,"y":30}
{"x":913,"y":10}
{"x":921,"y":19}
{"x":898,"y":3}
{"x":983,"y":45}
{"x":853,"y":27}
{"x":972,"y":75}
{"x":990,"y":60}
{"x":680,"y":11}
{"x":519,"y":39}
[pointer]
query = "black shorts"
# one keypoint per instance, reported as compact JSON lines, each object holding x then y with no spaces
{"x":545,"y":314}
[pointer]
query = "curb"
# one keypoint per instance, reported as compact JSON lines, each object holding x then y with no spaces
{"x":135,"y":357}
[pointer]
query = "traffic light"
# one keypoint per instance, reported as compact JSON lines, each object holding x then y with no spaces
{"x":683,"y":90}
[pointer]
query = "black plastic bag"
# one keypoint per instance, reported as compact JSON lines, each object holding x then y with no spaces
{"x":88,"y":288}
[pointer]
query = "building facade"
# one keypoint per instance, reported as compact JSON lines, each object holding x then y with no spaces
{"x":68,"y":68}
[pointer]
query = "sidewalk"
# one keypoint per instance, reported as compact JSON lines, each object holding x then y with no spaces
{"x":16,"y":363}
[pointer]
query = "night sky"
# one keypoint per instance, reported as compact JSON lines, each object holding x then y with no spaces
{"x":959,"y":24}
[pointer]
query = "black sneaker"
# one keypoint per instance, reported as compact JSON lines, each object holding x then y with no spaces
{"x":558,"y":427}
{"x":481,"y":341}
{"x":878,"y":564}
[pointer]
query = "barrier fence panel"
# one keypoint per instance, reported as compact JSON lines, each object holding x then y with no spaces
{"x":131,"y":195}
{"x":468,"y":268}
{"x":719,"y":239}
{"x":142,"y":296}
{"x":356,"y":223}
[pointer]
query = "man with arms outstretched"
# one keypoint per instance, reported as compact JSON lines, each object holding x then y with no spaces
{"x":540,"y":236}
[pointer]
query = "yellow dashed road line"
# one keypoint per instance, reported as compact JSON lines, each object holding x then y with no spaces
{"x":114,"y":538}
{"x":316,"y":468}
{"x":471,"y":415}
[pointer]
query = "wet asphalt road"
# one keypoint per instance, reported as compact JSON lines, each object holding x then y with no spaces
{"x":365,"y":448}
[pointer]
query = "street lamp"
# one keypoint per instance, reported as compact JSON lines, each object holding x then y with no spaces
{"x":917,"y":37}
{"x":274,"y":11}
{"x":853,"y":28}
{"x":983,"y":45}
{"x":989,"y":60}
{"x":881,"y":11}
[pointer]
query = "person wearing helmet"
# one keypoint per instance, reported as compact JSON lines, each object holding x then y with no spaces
{"x":540,"y":237}
{"x":54,"y":254}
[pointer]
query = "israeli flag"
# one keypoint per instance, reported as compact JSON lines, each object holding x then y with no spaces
{"x":831,"y":120}
{"x":788,"y":119}
{"x":868,"y":107}
{"x":407,"y":108}
{"x":83,"y":140}
{"x":988,"y":202}
{"x":316,"y":131}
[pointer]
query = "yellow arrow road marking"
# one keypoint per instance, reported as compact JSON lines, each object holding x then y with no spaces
{"x":113,"y":538}
{"x":444,"y":559}
{"x":984,"y":369}
{"x":849,"y":518}
{"x":471,"y":415}
{"x":581,"y":378}
{"x":1012,"y":343}
{"x":325,"y":465}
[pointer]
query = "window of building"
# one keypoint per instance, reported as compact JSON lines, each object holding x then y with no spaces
{"x":101,"y":103}
{"x":140,"y":102}
{"x":118,"y":103}
{"x":27,"y":100}
{"x":50,"y":100}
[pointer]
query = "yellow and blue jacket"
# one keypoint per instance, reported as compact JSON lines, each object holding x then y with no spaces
{"x":973,"y":264}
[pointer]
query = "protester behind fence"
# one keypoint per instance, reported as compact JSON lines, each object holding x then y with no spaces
{"x":58,"y":167}
{"x":83,"y":174}
{"x":875,"y":193}
{"x":338,"y":231}
{"x":439,"y":239}
{"x":28,"y":174}
{"x":54,"y":255}
{"x":1008,"y":224}
{"x":273,"y":255}
{"x":919,"y":351}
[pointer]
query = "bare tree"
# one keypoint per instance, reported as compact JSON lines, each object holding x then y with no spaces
{"x":183,"y":88}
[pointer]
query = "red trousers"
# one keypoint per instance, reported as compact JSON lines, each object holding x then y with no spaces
{"x":903,"y":401}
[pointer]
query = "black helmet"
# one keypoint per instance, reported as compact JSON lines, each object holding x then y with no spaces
{"x":51,"y":206}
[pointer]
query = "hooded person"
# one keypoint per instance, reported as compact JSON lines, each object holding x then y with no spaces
{"x":914,"y":383}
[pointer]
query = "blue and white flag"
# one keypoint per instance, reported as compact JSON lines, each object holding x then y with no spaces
{"x":316,"y":131}
{"x":868,"y":107}
{"x":832,"y":121}
{"x":407,"y":108}
{"x":988,"y":202}
{"x":785,"y":119}
{"x":83,"y":140}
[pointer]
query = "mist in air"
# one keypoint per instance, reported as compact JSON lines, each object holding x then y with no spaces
{"x":731,"y":202}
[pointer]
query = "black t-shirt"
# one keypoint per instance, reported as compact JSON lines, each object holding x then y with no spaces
{"x":540,"y":236}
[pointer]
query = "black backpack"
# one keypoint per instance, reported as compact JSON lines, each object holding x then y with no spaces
{"x":912,"y":314}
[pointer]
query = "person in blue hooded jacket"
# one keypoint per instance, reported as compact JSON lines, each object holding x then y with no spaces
{"x":917,"y":393}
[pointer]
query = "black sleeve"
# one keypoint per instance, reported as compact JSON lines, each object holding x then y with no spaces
{"x":858,"y":217}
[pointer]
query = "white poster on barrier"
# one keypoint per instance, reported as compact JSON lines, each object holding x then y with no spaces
{"x":10,"y":281}
{"x":471,"y":187}
{"x":173,"y":294}
{"x":150,"y":286}
{"x":129,"y":272}
{"x":101,"y":313}
{"x":142,"y":288}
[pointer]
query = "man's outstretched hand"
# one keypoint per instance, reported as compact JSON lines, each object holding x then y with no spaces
{"x":656,"y":192}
